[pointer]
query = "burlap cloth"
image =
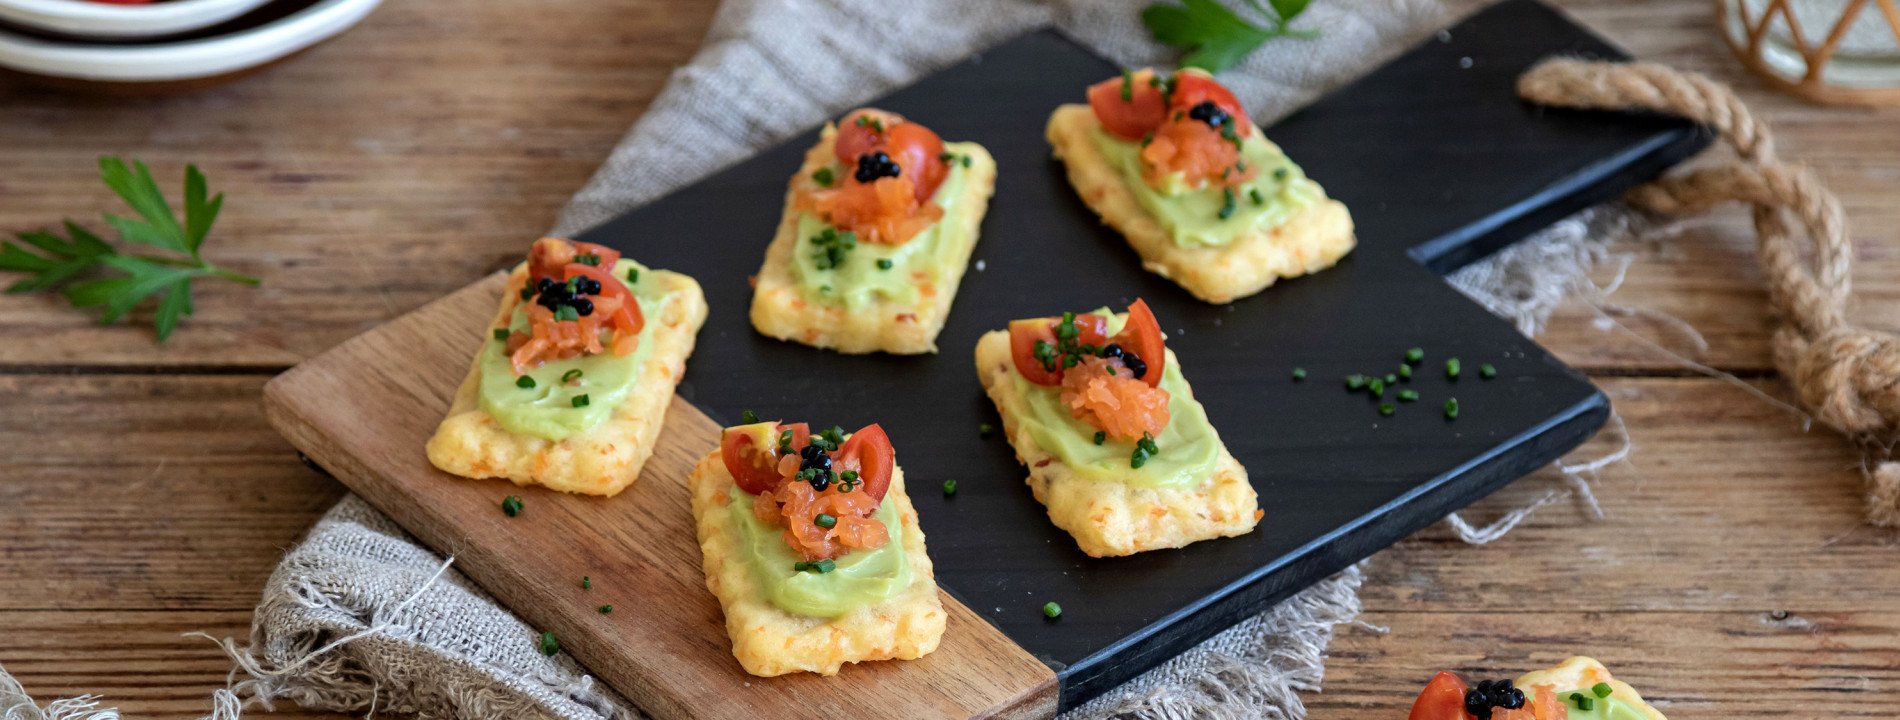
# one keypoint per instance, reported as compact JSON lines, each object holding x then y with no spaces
{"x":360,"y":617}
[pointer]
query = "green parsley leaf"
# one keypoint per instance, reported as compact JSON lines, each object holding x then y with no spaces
{"x":1218,"y":38}
{"x":129,"y":280}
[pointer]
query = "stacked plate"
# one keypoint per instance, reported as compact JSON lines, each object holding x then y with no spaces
{"x":163,"y":44}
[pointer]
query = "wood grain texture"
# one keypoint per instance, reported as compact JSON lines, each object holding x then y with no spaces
{"x":1745,"y":585}
{"x":665,"y":645}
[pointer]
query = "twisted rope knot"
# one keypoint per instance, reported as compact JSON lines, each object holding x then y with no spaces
{"x":1848,"y":377}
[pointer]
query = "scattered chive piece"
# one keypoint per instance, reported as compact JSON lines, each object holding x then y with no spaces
{"x":1279,"y":173}
{"x":966,"y":161}
{"x":1387,"y":409}
{"x":748,"y":417}
{"x":1100,"y":437}
{"x":1405,"y":371}
{"x":1355,"y":382}
{"x":947,"y":156}
{"x":588,"y":259}
{"x":1391,"y":379}
{"x":822,"y":176}
{"x":633,"y":275}
{"x":571,"y":375}
{"x":1227,"y":204}
{"x":580,"y":401}
{"x":527,"y":292}
{"x":525,"y":382}
{"x":1451,"y":409}
{"x":1376,"y":386}
{"x":949,"y":487}
{"x":549,"y":645}
{"x":1601,"y":690}
{"x":604,"y":609}
{"x":1583,"y":702}
{"x":567,"y":313}
{"x":1128,"y":85}
{"x":1408,"y":395}
{"x":884,"y":263}
{"x":1414,"y":355}
{"x":1451,"y":368}
{"x":1051,"y":610}
{"x":501,"y":333}
{"x":825,"y":520}
{"x":985,"y":429}
{"x":1487,"y":371}
{"x":511,"y":506}
{"x":1299,"y":374}
{"x":587,"y":583}
{"x":818,"y":566}
{"x":1254,"y":195}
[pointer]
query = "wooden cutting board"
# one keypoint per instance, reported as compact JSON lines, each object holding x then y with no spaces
{"x":1440,"y":164}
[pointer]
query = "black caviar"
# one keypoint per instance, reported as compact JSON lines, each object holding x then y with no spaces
{"x":815,"y":466}
{"x":872,"y":166}
{"x":1130,"y":360}
{"x":555,"y":295}
{"x":1210,"y":113}
{"x":1488,"y":694}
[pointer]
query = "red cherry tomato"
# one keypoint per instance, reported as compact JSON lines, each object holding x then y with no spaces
{"x":751,"y":453}
{"x":628,"y":320}
{"x":1192,"y":87}
{"x":1442,"y":699}
{"x":869,"y":452}
{"x":1091,"y":329}
{"x":1142,"y":336}
{"x":862,"y":131}
{"x":920,"y":153}
{"x":1139,"y":114}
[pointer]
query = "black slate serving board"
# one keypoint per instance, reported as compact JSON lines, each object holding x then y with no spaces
{"x":1440,"y":164}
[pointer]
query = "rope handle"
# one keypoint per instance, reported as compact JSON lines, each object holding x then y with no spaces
{"x":1848,"y":377}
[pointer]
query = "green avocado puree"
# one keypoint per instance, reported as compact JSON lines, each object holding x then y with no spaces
{"x":547,"y":410}
{"x":862,"y":577}
{"x":923,"y":260}
{"x":1601,"y":708}
{"x":1189,"y":447}
{"x":1192,"y":216}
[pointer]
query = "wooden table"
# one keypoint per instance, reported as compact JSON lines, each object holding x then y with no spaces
{"x":142,"y":496}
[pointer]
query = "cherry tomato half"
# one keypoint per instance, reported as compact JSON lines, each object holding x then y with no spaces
{"x":628,"y":319}
{"x":1442,"y":699}
{"x":1140,"y":113}
{"x":1192,"y":87}
{"x":751,"y":453}
{"x":862,"y":131}
{"x":919,"y":152}
{"x":869,"y":452}
{"x":1142,"y":336}
{"x":1091,"y":329}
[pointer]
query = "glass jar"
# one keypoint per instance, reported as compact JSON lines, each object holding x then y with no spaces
{"x":1831,"y":51}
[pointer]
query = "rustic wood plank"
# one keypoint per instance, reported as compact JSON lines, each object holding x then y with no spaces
{"x":379,"y":171}
{"x":666,"y":648}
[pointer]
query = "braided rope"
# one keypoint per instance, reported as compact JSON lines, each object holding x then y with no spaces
{"x":1847,"y":376}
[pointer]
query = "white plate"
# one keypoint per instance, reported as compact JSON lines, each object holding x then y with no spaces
{"x":103,"y":21}
{"x":184,"y":59}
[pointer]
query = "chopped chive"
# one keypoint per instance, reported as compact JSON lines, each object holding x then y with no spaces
{"x":1279,"y":173}
{"x":1451,"y":409}
{"x":966,"y":161}
{"x":587,"y":583}
{"x":633,"y":275}
{"x":1405,"y":371}
{"x":1408,"y":395}
{"x":549,"y":645}
{"x":818,"y":566}
{"x":527,"y":292}
{"x":1100,"y":437}
{"x":1387,"y":409}
{"x":984,"y":430}
{"x":605,"y":609}
{"x":1138,"y":458}
{"x":1254,"y":195}
{"x":501,"y":333}
{"x":588,"y":259}
{"x":1451,"y":368}
{"x":748,"y":417}
{"x":1147,"y":442}
{"x":580,"y":401}
{"x":567,"y":313}
{"x":1601,"y":689}
{"x":1414,"y":355}
{"x":884,"y":263}
{"x":1487,"y":371}
{"x":1227,"y":203}
{"x":1376,"y":386}
{"x":1391,"y":379}
{"x":571,"y":375}
{"x":949,"y":488}
{"x":511,"y":506}
{"x":1299,"y":374}
{"x":946,"y":156}
{"x":1128,"y":85}
{"x":825,"y":520}
{"x":1355,"y":382}
{"x":822,"y":176}
{"x":525,"y":382}
{"x":1584,"y":703}
{"x":1051,"y":610}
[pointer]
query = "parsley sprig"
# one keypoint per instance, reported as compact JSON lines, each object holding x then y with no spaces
{"x":75,"y":263}
{"x":1218,"y":38}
